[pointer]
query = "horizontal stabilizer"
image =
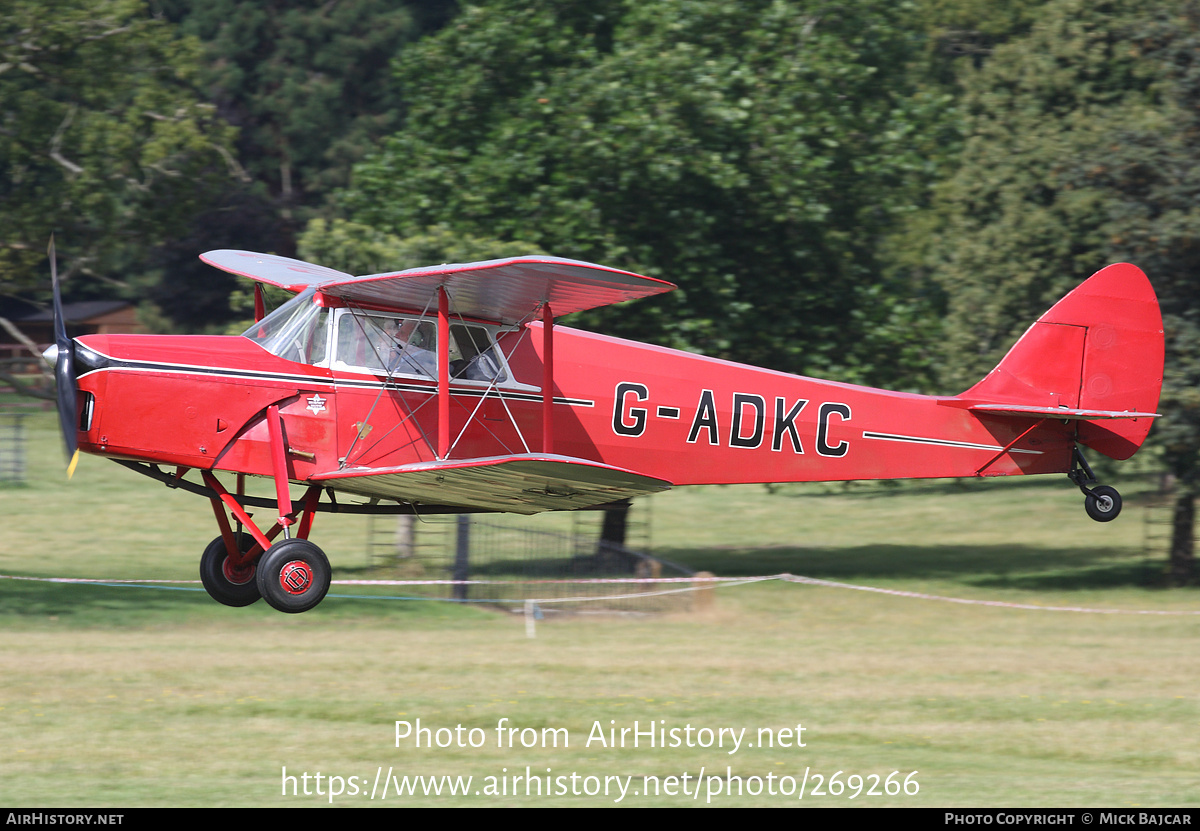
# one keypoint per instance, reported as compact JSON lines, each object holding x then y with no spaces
{"x":522,"y":484}
{"x":1056,"y":412}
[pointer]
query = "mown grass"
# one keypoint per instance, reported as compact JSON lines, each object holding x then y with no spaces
{"x":122,"y":696}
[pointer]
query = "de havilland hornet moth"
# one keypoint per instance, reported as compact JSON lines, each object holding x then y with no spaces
{"x":450,"y":389}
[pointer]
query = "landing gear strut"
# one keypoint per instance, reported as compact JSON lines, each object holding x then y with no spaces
{"x":1102,"y":502}
{"x":292,"y":575}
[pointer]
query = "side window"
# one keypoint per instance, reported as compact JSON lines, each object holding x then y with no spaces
{"x":319,"y":345}
{"x":353,"y":347}
{"x":413,"y":347}
{"x":473,"y":355}
{"x":387,"y":344}
{"x":394,"y":344}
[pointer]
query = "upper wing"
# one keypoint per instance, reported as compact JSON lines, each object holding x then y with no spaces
{"x":505,"y":291}
{"x":293,"y":275}
{"x":522,"y":484}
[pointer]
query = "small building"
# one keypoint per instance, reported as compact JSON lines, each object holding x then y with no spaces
{"x":88,"y":317}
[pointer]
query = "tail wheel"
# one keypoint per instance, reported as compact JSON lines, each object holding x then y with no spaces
{"x":293,"y":575}
{"x":1102,"y":503}
{"x":224,"y":582}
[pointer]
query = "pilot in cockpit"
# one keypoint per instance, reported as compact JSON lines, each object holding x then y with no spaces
{"x":412,"y":349}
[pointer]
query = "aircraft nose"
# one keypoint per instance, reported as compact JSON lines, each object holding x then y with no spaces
{"x":51,"y":354}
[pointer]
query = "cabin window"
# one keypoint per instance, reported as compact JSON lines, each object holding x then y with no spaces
{"x":401,"y":345}
{"x":478,"y":358}
{"x":387,"y":344}
{"x":377,"y":342}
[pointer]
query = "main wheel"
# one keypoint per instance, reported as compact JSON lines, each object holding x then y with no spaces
{"x":224,"y":582}
{"x":293,"y":575}
{"x":1103,"y":503}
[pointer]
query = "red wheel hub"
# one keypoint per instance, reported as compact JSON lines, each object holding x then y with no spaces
{"x":296,"y":577}
{"x":238,"y":575}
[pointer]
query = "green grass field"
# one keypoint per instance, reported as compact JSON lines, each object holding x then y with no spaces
{"x":122,"y":696}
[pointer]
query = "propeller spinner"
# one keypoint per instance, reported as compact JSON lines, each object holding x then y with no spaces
{"x":64,"y":372}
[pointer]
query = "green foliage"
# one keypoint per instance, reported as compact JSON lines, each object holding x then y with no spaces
{"x":1081,"y":151}
{"x":191,"y":295}
{"x":307,"y":82}
{"x":103,"y":138}
{"x":1023,"y":219}
{"x":967,"y":31}
{"x":1152,"y":178}
{"x":309,"y":86}
{"x":361,"y":249}
{"x":754,"y":153}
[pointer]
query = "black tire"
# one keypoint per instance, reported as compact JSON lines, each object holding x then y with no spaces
{"x":222,"y":582}
{"x":293,"y":576}
{"x":1103,"y":503}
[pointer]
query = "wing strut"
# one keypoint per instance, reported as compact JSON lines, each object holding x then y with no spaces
{"x":443,"y":358}
{"x":1010,"y":445}
{"x":547,"y":379}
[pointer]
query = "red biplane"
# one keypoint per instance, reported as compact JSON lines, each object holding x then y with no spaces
{"x":450,"y":389}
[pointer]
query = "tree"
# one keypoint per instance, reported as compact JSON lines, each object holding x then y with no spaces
{"x":361,"y":249}
{"x":1081,"y":150}
{"x":1153,"y":177}
{"x":753,"y":152}
{"x":103,"y":137}
{"x":1020,"y":223}
{"x":309,"y":87}
{"x":308,"y":83}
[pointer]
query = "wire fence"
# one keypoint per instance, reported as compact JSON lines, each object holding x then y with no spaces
{"x":508,"y":560}
{"x":12,"y":448}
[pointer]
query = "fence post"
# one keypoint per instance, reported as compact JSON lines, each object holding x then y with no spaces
{"x":462,"y":553}
{"x":705,"y":595}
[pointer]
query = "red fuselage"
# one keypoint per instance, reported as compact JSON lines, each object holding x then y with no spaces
{"x":199,"y":402}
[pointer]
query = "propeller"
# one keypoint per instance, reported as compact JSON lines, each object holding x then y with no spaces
{"x":64,"y":372}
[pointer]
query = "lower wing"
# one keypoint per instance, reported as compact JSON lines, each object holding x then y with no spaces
{"x":523,"y":483}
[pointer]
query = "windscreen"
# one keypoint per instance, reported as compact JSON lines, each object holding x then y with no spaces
{"x":296,"y":331}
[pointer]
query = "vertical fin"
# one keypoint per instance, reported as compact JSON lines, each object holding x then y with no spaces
{"x":1099,"y":348}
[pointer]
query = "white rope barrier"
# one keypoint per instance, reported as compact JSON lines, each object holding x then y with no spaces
{"x":694,"y":584}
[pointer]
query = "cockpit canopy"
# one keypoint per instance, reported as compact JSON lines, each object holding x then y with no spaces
{"x":379,"y":343}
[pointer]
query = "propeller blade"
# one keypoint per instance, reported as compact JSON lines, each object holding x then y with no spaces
{"x":64,"y":372}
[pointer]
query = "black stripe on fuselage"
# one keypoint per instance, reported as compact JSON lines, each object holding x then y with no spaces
{"x":108,"y":363}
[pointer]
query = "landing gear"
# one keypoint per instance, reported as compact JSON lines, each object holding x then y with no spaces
{"x":293,"y":575}
{"x":1102,"y":502}
{"x":224,"y":582}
